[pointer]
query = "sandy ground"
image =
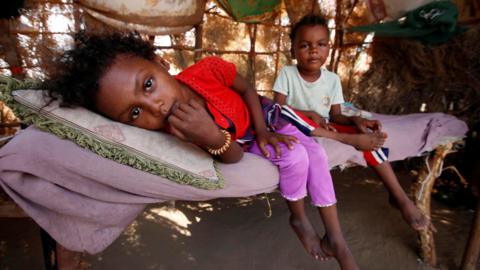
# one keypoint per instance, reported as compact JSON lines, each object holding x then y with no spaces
{"x":236,"y":234}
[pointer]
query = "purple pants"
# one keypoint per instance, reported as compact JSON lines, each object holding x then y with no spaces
{"x":302,"y":169}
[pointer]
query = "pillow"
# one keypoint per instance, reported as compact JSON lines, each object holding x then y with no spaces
{"x":151,"y":151}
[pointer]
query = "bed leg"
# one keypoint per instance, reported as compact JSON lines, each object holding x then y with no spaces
{"x":49,"y":252}
{"x":57,"y":257}
{"x":422,"y":191}
{"x":470,"y":257}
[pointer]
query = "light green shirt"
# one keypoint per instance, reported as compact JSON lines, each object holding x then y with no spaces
{"x":317,"y":96}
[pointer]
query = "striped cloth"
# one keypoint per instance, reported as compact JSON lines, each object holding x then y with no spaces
{"x":277,"y":116}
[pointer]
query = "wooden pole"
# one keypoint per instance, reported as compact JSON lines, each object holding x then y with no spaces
{"x":422,"y":191}
{"x":10,"y":48}
{"x":470,"y":257}
{"x":338,"y":39}
{"x":277,"y":54}
{"x":198,"y":42}
{"x":252,"y":54}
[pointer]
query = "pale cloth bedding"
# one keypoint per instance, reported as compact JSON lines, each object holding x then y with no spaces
{"x":85,"y":201}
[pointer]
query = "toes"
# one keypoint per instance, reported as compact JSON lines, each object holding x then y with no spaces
{"x":422,"y":223}
{"x":318,"y":253}
{"x":325,"y":248}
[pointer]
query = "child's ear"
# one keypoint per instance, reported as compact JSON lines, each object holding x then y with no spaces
{"x":162,"y":62}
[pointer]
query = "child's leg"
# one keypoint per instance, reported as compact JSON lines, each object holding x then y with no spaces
{"x":414,"y":217}
{"x":294,"y":168}
{"x":304,"y":229}
{"x":361,"y":141}
{"x":333,"y":242}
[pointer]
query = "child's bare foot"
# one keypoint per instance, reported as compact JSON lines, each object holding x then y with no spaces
{"x":326,"y":248}
{"x":412,"y":215}
{"x":308,"y":236}
{"x":361,"y":141}
{"x":367,"y":141}
{"x":338,"y":248}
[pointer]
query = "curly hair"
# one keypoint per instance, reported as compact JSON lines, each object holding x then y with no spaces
{"x":78,"y":71}
{"x":308,"y":20}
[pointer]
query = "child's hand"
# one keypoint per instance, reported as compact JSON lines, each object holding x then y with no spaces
{"x":265,"y":138}
{"x":327,"y":126}
{"x":315,"y":117}
{"x":364,"y":124}
{"x":191,"y":122}
{"x":320,"y":121}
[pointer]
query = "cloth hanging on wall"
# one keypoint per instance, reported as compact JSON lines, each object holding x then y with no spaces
{"x":387,"y":10}
{"x":251,"y":11}
{"x":161,"y":17}
{"x":433,"y":24}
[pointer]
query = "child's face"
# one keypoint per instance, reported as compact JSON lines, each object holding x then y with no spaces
{"x":137,"y":92}
{"x":310,"y":47}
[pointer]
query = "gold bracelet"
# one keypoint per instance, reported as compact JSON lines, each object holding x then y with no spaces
{"x":224,"y":147}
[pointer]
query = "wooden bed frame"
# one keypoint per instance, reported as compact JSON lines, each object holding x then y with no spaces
{"x":58,"y":257}
{"x":422,"y":194}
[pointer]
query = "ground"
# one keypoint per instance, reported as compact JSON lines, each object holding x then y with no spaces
{"x":237,"y":234}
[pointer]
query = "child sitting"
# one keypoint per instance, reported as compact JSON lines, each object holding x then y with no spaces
{"x":207,"y":104}
{"x":316,"y":92}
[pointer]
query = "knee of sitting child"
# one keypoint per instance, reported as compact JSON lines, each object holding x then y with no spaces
{"x":318,"y":152}
{"x":297,"y":156}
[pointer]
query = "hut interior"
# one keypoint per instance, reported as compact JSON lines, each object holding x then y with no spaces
{"x":387,"y":75}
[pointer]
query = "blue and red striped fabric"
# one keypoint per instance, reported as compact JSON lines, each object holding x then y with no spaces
{"x":277,"y":116}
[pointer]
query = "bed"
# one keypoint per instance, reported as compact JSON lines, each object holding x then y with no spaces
{"x":85,"y":201}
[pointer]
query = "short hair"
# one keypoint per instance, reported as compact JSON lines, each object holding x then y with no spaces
{"x":308,"y":20}
{"x":79,"y":70}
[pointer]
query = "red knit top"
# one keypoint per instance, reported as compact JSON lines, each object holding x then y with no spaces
{"x":212,"y":78}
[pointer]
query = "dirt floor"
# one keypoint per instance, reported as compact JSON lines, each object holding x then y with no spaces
{"x":237,"y":234}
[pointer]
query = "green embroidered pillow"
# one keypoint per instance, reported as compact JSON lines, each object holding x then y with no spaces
{"x":150,"y":151}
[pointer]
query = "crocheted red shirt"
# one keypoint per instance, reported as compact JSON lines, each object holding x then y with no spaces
{"x":212,"y":78}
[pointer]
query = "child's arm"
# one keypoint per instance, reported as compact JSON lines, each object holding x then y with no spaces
{"x":192,"y":123}
{"x":264,"y":137}
{"x":362,"y":124}
{"x":282,"y":100}
{"x":315,"y":117}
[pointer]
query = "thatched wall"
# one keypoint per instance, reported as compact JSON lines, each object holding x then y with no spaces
{"x":402,"y":76}
{"x":407,"y":77}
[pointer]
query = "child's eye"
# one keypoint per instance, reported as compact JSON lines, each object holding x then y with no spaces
{"x":135,"y":113}
{"x":148,"y":84}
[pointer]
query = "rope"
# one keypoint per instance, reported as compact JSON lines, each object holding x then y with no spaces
{"x":268,"y":212}
{"x":422,"y":183}
{"x":438,"y":173}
